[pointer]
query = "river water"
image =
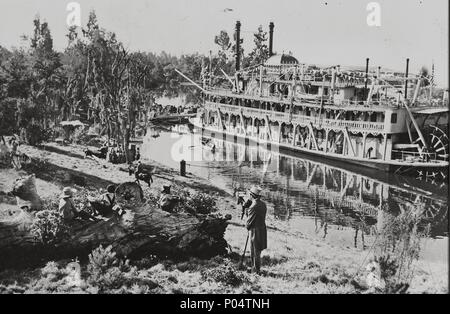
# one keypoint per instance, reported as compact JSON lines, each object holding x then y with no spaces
{"x":336,"y":203}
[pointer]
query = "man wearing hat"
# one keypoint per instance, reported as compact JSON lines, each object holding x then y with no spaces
{"x":167,"y":201}
{"x":256,"y":225}
{"x":67,"y":208}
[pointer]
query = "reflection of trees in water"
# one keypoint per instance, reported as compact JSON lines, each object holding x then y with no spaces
{"x":281,"y":203}
{"x":335,"y":197}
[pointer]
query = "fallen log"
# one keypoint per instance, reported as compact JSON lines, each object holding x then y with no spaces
{"x":143,"y":230}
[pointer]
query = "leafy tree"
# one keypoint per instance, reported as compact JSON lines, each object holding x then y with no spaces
{"x":44,"y":71}
{"x":260,"y":52}
{"x":223,"y":59}
{"x":95,"y":79}
{"x":15,"y":74}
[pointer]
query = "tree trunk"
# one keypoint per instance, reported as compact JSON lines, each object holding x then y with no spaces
{"x":126,"y":145}
{"x":144,"y":230}
{"x":26,"y":193}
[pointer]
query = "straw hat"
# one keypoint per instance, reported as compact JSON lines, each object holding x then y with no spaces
{"x":67,"y":192}
{"x":255,"y":191}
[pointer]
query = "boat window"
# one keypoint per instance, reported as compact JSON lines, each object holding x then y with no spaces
{"x":394,"y":118}
{"x":373,"y":117}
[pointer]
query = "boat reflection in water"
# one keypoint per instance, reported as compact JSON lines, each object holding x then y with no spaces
{"x":308,"y":194}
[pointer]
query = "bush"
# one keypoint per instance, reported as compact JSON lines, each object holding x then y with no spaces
{"x":147,"y":262}
{"x":11,"y":289}
{"x":56,"y":278}
{"x":49,"y":227}
{"x":82,"y":197}
{"x":35,"y":134}
{"x":398,"y":248}
{"x":79,"y":136}
{"x":105,"y":270}
{"x":227,"y":274}
{"x":197,"y":203}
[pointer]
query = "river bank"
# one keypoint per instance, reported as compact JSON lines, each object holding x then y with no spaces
{"x":293,"y":262}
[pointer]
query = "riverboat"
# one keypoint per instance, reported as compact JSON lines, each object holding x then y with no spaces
{"x":371,"y":117}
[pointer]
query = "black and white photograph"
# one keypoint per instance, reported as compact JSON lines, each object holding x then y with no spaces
{"x":237,"y":148}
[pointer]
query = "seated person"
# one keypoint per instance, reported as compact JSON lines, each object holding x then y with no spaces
{"x":167,"y":202}
{"x":109,"y":197}
{"x":67,"y":208}
{"x":105,"y":205}
{"x":103,"y":151}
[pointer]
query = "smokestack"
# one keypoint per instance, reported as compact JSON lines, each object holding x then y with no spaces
{"x":238,"y":45}
{"x":367,"y":77}
{"x":271,"y":26}
{"x":406,"y":81}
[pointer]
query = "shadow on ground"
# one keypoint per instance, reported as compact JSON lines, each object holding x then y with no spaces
{"x":57,"y":150}
{"x":49,"y":172}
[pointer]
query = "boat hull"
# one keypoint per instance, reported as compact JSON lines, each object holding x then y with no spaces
{"x":410,"y":168}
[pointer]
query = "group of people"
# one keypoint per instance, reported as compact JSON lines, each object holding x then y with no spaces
{"x":104,"y":206}
{"x":254,"y":209}
{"x":113,"y":153}
{"x":116,"y":155}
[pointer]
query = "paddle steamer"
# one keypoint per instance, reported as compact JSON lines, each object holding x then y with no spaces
{"x":372,"y":117}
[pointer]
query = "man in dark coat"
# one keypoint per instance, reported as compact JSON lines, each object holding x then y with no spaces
{"x":256,"y":225}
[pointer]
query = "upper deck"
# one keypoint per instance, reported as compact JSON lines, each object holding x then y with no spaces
{"x":356,"y":116}
{"x":326,"y":88}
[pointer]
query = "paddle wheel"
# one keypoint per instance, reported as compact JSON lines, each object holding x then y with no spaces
{"x":439,"y":143}
{"x":438,"y":149}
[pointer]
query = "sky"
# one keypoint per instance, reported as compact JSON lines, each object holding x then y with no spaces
{"x":326,"y":32}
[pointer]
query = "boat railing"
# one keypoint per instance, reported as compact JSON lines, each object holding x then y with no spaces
{"x":316,"y":100}
{"x":302,"y":119}
{"x":408,"y":156}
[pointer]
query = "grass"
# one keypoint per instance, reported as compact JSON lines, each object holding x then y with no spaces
{"x":293,"y":262}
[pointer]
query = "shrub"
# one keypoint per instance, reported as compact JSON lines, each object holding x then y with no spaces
{"x":49,"y":227}
{"x":56,"y":278}
{"x":79,"y":136}
{"x":11,"y":289}
{"x":106,"y":270}
{"x":227,"y":274}
{"x":147,"y":262}
{"x":82,"y":197}
{"x":398,"y":248}
{"x":197,"y":203}
{"x":35,"y":134}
